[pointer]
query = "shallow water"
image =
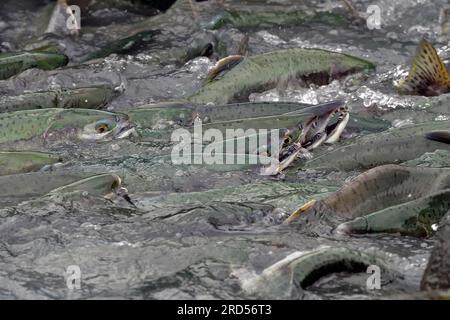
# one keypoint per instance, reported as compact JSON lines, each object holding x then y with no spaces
{"x":198,"y":231}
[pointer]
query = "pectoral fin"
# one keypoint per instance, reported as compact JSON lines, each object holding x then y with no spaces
{"x":428,"y":75}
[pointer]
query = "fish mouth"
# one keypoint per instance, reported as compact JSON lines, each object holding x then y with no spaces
{"x":318,"y":130}
{"x":311,"y":134}
{"x":315,"y":128}
{"x":125,"y":129}
{"x":334,"y":131}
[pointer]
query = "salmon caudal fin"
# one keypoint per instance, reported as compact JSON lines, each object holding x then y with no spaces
{"x":428,"y":75}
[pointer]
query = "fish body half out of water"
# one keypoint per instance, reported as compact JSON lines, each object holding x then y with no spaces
{"x":291,"y":276}
{"x":235,"y":77}
{"x":391,"y":146}
{"x":238,"y":124}
{"x":389,"y":198}
{"x":25,"y":161}
{"x":83,"y":97}
{"x":19,"y":187}
{"x":15,"y":63}
{"x":183,"y":113}
{"x":162,"y":119}
{"x":31,"y":129}
{"x":428,"y":75}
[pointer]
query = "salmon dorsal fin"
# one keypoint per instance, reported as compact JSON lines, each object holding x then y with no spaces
{"x":222,"y":66}
{"x":428,"y":75}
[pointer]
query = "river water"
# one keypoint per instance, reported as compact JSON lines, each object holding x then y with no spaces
{"x":200,"y":232}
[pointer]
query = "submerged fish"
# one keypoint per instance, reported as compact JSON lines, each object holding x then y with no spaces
{"x":83,"y":97}
{"x":124,"y":46}
{"x":178,"y":50}
{"x":266,"y":71}
{"x":388,"y":198}
{"x":18,"y":187}
{"x":289,"y":277}
{"x":391,"y":146}
{"x":26,"y":161}
{"x":14,"y":63}
{"x":104,"y":185}
{"x":428,"y":75}
{"x":19,"y":130}
{"x":250,"y":19}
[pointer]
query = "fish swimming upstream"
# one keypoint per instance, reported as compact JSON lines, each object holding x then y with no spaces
{"x":234,"y":78}
{"x":391,"y":146}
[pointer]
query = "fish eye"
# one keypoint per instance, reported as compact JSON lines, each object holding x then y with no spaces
{"x":103,"y":126}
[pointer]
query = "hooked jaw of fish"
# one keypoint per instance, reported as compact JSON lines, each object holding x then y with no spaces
{"x":296,"y":143}
{"x":119,"y":127}
{"x":318,"y":130}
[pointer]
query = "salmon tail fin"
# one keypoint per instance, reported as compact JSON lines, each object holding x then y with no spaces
{"x":428,"y":75}
{"x":440,"y":136}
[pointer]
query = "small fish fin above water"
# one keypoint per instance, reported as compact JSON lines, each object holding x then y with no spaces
{"x":223,"y":66}
{"x":440,"y":136}
{"x":428,"y":75}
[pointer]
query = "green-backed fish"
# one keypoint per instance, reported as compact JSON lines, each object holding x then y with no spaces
{"x":25,"y":161}
{"x":83,"y":97}
{"x":391,"y":146}
{"x":19,"y":187}
{"x":104,"y":185}
{"x":265,"y":71}
{"x":416,"y":218}
{"x":259,"y":115}
{"x":124,"y":46}
{"x":22,"y":130}
{"x":389,"y":198}
{"x":250,"y":19}
{"x":234,"y":124}
{"x":15,"y":63}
